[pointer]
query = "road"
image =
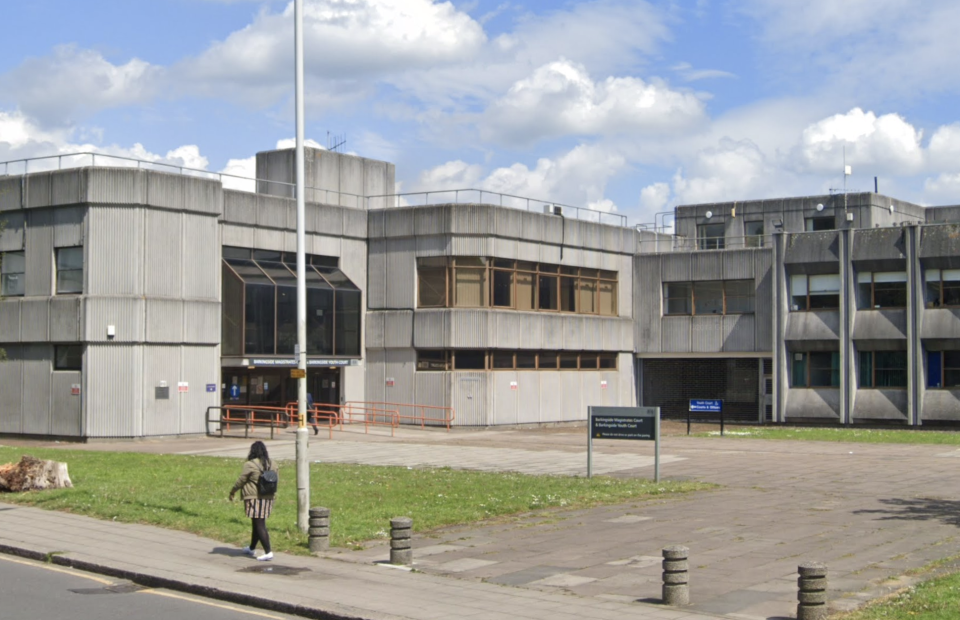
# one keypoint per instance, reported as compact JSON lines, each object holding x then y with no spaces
{"x":31,"y":590}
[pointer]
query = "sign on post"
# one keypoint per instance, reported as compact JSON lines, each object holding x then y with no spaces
{"x":639,"y":423}
{"x":705,"y":405}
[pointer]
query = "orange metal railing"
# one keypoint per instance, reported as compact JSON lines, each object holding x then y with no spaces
{"x":250,"y":417}
{"x":332,"y":416}
{"x":424,"y":415}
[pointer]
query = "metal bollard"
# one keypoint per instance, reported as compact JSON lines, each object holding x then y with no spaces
{"x":812,"y":593}
{"x":319,"y":532}
{"x":676,"y":576}
{"x":401,"y":530}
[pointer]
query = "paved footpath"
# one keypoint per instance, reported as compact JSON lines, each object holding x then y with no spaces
{"x":871,"y":512}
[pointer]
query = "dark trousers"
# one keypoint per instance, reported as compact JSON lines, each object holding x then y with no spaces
{"x":260,"y":534}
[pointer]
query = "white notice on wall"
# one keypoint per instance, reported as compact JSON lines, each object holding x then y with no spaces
{"x":183,"y":386}
{"x":513,"y":385}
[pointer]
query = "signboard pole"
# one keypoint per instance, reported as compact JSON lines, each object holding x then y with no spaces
{"x":624,"y":423}
{"x":589,"y":452}
{"x":656,"y":450}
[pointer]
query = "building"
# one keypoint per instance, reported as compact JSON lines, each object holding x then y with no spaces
{"x":136,"y":298}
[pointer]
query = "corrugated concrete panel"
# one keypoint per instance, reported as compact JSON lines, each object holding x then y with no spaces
{"x":812,"y":248}
{"x":531,"y":330}
{"x":401,"y":273}
{"x":114,"y":251}
{"x":941,"y":405}
{"x":68,"y":226}
{"x":11,"y":396}
{"x":572,"y":408}
{"x":430,"y":220}
{"x":239,"y":207}
{"x":611,"y":335}
{"x":326,"y":220}
{"x":469,"y":329}
{"x":592,"y":393}
{"x":646,"y":302}
{"x":628,"y":382}
{"x":375,"y":183}
{"x":38,"y":248}
{"x":508,"y":330}
{"x":572,"y":333}
{"x":11,"y":237}
{"x":126,"y":314}
{"x":433,"y":388}
{"x":114,"y":186}
{"x":592,"y":338}
{"x":37,"y":188}
{"x":374,"y":329}
{"x":676,"y":334}
{"x":739,"y":265}
{"x":706,"y":334}
{"x":552,"y":331}
{"x":398,"y":329}
{"x":435,"y":245}
{"x":505,"y":397}
{"x":374,"y":375}
{"x":472,"y":219}
{"x":269,"y":239}
{"x":528,"y":251}
{"x":34,"y":320}
{"x":201,"y":322}
{"x":354,"y":223}
{"x":880,"y":405}
{"x":936,"y":323}
{"x":705,"y":265}
{"x":37,"y":368}
{"x":202,"y":195}
{"x":65,"y":319}
{"x":939,"y":246}
{"x":272,"y":211}
{"x":591,"y":236}
{"x":469,"y":397}
{"x":112,"y":406}
{"x":471,"y":246}
{"x":326,"y":170}
{"x":322,"y":245}
{"x":822,"y":403}
{"x":237,"y":236}
{"x":165,"y":190}
{"x":531,"y":226}
{"x":430,"y":329}
{"x":624,"y":266}
{"x":163,"y":264}
{"x":11,"y":193}
{"x":764,"y":300}
{"x":822,"y":325}
{"x":551,"y":254}
{"x":66,"y":414}
{"x":505,"y":248}
{"x":626,"y":335}
{"x":508,"y":222}
{"x":400,"y":365}
{"x":399,"y":222}
{"x":201,"y":257}
{"x":571,"y":256}
{"x":67,"y":187}
{"x":880,"y":325}
{"x":9,"y":320}
{"x":528,"y":397}
{"x":375,"y":224}
{"x":882,"y":248}
{"x":739,"y":331}
{"x":377,"y":282}
{"x":677,"y":267}
{"x":199,"y":366}
{"x":161,"y":416}
{"x":570,"y":232}
{"x":164,"y":320}
{"x":351,"y":179}
{"x":551,"y":396}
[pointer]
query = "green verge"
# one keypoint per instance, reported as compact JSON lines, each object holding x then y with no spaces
{"x":937,"y":599}
{"x":189,"y":493}
{"x":851,"y":435}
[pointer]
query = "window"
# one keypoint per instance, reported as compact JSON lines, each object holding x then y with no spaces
{"x":710,"y":236}
{"x":516,"y":285}
{"x":12,"y":267}
{"x":819,"y":223}
{"x":816,"y":369}
{"x":819,"y":292}
{"x":943,"y":369}
{"x":67,"y":357}
{"x":69,"y":270}
{"x":882,"y":289}
{"x":883,"y":369}
{"x":709,"y":297}
{"x":472,"y":359}
{"x":753,"y":234}
{"x":943,"y":288}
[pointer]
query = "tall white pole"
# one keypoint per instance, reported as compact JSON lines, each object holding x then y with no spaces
{"x":303,"y":461}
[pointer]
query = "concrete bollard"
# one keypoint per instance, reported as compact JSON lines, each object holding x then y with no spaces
{"x":401,"y":531}
{"x":676,"y":575}
{"x":319,"y":532}
{"x":812,"y":592}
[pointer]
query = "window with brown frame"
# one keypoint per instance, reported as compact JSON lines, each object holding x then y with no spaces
{"x":472,"y":282}
{"x":709,"y":297}
{"x":499,"y":359}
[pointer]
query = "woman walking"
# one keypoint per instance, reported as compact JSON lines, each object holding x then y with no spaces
{"x":256,"y":505}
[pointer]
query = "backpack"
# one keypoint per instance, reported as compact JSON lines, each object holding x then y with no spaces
{"x":267,"y":483}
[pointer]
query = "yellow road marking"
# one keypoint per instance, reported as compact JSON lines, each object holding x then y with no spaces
{"x":211,"y":604}
{"x":57,"y":569}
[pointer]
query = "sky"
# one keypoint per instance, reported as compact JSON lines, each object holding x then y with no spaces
{"x":627,"y":106}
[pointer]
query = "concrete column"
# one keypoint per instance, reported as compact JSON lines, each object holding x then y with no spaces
{"x":781,"y":305}
{"x":676,"y":576}
{"x":915,"y":294}
{"x":319,"y":532}
{"x":848,"y":309}
{"x":401,"y":531}
{"x":812,"y":592}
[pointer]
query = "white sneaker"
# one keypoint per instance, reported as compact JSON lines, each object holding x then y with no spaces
{"x":266,"y":557}
{"x":249,"y":551}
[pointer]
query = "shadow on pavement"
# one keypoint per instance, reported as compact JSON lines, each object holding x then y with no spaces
{"x":917,"y":509}
{"x":229,"y":551}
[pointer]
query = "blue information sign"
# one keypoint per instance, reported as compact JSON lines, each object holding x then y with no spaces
{"x":706,"y":405}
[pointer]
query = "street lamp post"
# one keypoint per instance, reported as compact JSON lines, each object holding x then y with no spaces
{"x":303,"y":461}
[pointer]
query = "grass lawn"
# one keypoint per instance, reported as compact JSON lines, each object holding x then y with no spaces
{"x":853,"y":435}
{"x":937,"y":599}
{"x":189,"y":493}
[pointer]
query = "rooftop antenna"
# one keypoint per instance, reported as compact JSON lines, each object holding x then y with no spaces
{"x":335,"y":142}
{"x":847,"y":171}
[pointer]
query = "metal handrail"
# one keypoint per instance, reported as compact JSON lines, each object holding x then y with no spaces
{"x":677,"y":243}
{"x":401,"y":200}
{"x":446,"y":420}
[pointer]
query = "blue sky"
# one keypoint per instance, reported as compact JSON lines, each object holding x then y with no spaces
{"x":619,"y":105}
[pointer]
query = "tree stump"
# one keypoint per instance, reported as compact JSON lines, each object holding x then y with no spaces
{"x":33,"y":474}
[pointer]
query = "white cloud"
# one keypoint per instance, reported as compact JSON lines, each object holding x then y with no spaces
{"x":944,"y":189}
{"x":884,"y":143}
{"x":70,"y":82}
{"x":561,"y":99}
{"x":290,"y":143}
{"x":653,"y":198}
{"x":245,"y":169}
{"x":686,"y":71}
{"x":734,"y":170}
{"x":944,"y":148}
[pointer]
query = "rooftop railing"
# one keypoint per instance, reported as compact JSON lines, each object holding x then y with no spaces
{"x":313,"y":194}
